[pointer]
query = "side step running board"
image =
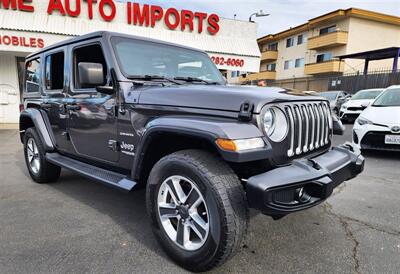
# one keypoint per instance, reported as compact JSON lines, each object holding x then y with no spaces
{"x":107,"y":177}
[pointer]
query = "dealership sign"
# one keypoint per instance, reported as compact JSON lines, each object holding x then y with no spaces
{"x":21,"y":41}
{"x":139,"y":15}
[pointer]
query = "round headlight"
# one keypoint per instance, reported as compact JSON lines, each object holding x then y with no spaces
{"x":274,"y":123}
{"x":269,"y":121}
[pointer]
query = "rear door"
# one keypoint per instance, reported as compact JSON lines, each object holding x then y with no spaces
{"x":54,"y":91}
{"x":92,"y":116}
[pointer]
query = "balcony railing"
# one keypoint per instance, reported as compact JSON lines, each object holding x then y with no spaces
{"x":327,"y":67}
{"x":263,"y":75}
{"x":328,"y":40}
{"x":269,"y":55}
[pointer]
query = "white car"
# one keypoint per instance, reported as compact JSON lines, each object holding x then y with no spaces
{"x":360,"y":101}
{"x":378,"y":126}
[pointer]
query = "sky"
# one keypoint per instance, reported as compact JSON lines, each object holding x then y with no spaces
{"x":283,"y":13}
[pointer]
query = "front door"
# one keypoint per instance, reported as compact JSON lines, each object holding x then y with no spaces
{"x":92,"y":123}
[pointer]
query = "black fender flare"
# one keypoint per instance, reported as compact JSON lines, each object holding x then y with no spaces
{"x":208,"y":129}
{"x":35,"y":117}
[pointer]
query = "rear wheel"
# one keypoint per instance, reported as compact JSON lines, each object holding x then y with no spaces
{"x":198,"y":209}
{"x":40,"y":170}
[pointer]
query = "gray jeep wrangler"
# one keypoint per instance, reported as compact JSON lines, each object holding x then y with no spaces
{"x":127,"y":111}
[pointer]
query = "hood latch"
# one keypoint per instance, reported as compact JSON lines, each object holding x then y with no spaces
{"x":246,"y":111}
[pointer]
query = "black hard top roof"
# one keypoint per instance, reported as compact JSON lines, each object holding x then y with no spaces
{"x":103,"y":34}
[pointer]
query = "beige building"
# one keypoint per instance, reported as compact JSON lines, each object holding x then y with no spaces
{"x":309,"y":50}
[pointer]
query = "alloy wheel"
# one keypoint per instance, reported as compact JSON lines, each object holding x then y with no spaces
{"x":33,"y":155}
{"x":183,"y":212}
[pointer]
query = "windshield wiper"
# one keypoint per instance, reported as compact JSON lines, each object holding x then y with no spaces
{"x":194,"y":79}
{"x":152,"y":78}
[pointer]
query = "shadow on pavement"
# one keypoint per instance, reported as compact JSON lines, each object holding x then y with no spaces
{"x":127,"y":210}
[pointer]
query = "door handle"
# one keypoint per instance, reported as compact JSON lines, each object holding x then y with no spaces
{"x":45,"y":105}
{"x":73,"y":107}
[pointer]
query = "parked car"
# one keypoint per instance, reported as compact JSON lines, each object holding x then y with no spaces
{"x":163,"y":117}
{"x":336,"y":99}
{"x":357,"y":103}
{"x":378,"y":126}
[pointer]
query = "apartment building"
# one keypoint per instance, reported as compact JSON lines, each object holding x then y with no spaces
{"x":309,"y":50}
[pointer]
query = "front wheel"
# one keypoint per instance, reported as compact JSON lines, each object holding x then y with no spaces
{"x":198,"y":209}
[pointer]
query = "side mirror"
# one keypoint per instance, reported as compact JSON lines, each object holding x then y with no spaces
{"x":338,"y":127}
{"x":90,"y":75}
{"x":365,"y":105}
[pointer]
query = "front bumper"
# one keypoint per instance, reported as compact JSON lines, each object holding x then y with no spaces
{"x":304,"y":183}
{"x":372,"y":137}
{"x":349,"y":115}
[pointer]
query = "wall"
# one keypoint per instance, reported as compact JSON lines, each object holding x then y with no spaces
{"x":367,"y":35}
{"x":9,"y":89}
{"x":343,"y":25}
{"x":292,"y":53}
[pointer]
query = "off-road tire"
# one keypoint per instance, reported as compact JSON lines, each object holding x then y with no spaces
{"x":226,"y":200}
{"x":47,"y":172}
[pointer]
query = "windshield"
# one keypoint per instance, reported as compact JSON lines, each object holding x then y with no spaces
{"x":143,"y":58}
{"x":389,"y":98}
{"x":366,"y":94}
{"x":329,"y":95}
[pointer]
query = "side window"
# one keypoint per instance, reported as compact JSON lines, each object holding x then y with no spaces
{"x":299,"y":63}
{"x":327,"y":30}
{"x":300,"y":39}
{"x":32,"y":75}
{"x":288,"y":64}
{"x":273,"y":46}
{"x":88,"y":54}
{"x":271,"y":67}
{"x":324,"y":57}
{"x":289,"y":42}
{"x":54,"y":71}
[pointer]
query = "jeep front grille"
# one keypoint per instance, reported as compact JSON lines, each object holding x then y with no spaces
{"x":309,"y":126}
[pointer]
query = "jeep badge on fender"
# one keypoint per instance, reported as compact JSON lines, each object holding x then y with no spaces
{"x":128,"y":111}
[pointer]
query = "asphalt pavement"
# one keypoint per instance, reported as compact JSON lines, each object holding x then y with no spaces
{"x":77,"y":226}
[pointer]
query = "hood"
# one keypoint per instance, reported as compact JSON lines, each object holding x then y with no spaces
{"x":383,"y":115}
{"x":218,"y":97}
{"x":358,"y":103}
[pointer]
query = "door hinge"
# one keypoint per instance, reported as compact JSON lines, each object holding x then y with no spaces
{"x":246,"y":111}
{"x":113,"y":145}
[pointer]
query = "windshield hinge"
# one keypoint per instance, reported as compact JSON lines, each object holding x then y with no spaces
{"x":246,"y":111}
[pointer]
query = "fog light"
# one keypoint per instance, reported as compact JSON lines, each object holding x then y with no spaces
{"x":299,"y":192}
{"x":301,"y":195}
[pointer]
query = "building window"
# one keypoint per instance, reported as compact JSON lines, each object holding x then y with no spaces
{"x":327,"y":30}
{"x":324,"y":57}
{"x":273,"y":46}
{"x":289,"y":42}
{"x":299,"y":63}
{"x":288,"y":64}
{"x":32,"y":75}
{"x":235,"y":74}
{"x":300,"y":39}
{"x":271,"y":67}
{"x":54,"y":71}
